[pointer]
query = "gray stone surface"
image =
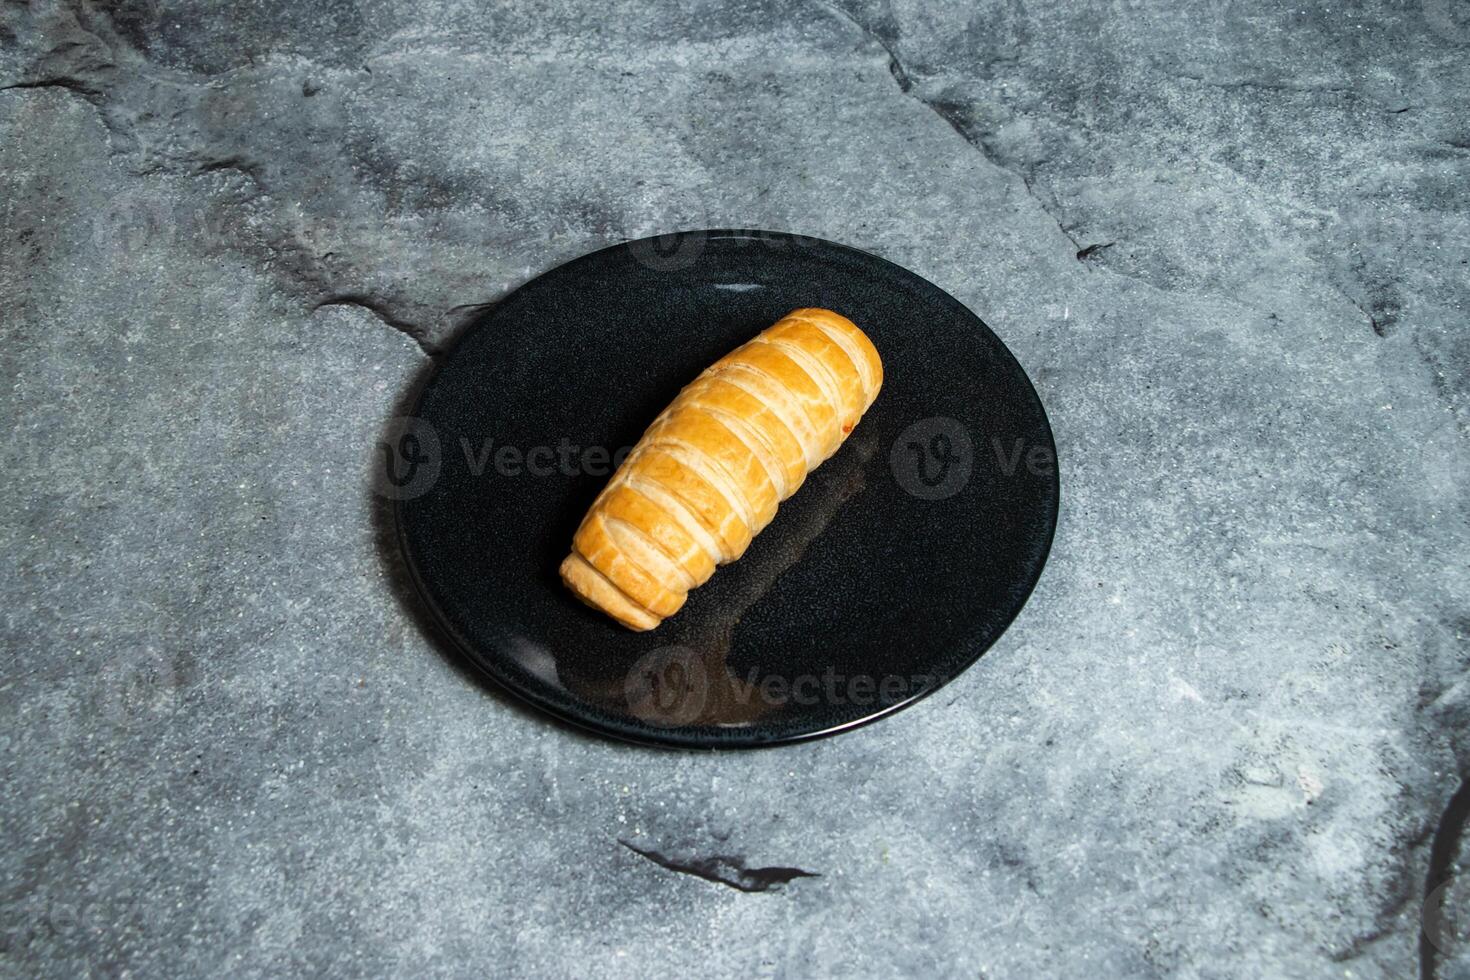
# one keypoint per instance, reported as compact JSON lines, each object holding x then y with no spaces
{"x":1229,"y":242}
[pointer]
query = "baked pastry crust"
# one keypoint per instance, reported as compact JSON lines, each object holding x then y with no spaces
{"x":710,"y":471}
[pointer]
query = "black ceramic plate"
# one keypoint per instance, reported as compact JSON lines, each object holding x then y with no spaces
{"x":890,"y":571}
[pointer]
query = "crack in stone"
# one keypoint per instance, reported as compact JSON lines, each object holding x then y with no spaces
{"x":950,"y":112}
{"x":236,"y":163}
{"x":895,"y":67}
{"x":728,"y":870}
{"x":954,"y":113}
{"x":168,"y":127}
{"x":69,"y":84}
{"x":1449,"y":831}
{"x":384,"y":312}
{"x":1027,"y":180}
{"x":1250,"y":83}
{"x":1401,"y":894}
{"x":1380,"y":329}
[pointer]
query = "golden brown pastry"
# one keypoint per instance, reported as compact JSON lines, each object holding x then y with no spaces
{"x":708,"y":474}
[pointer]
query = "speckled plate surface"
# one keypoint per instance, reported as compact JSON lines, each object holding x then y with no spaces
{"x":895,"y":566}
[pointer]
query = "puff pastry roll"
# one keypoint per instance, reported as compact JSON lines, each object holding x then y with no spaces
{"x":708,"y":474}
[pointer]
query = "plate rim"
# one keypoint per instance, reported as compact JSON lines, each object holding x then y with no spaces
{"x":697,"y":737}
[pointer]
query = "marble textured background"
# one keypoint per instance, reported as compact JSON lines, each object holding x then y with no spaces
{"x":1229,"y":241}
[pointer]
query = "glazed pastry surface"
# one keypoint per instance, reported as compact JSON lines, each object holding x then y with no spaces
{"x":710,"y":471}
